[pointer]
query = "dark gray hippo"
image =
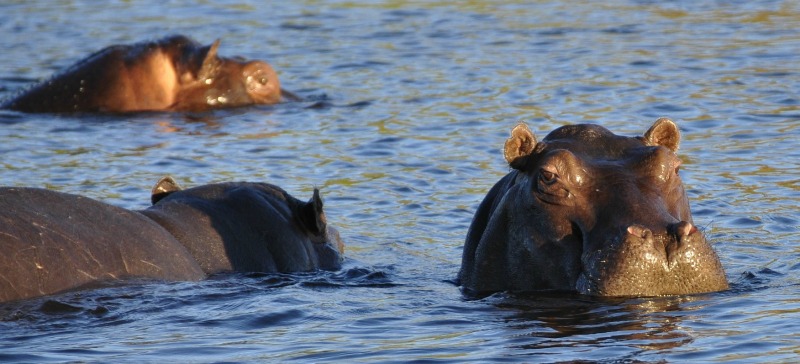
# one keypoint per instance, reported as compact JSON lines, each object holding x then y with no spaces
{"x":53,"y":242}
{"x":171,"y":74}
{"x":588,"y":211}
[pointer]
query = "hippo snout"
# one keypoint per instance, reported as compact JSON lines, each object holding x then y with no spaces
{"x":668,"y":245}
{"x":680,"y":230}
{"x":641,"y":261}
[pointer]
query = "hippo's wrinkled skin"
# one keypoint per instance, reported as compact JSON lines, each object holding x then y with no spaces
{"x":53,"y":242}
{"x":172,"y":74}
{"x":588,"y":211}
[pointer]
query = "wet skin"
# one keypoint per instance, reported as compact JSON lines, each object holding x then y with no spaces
{"x":53,"y":242}
{"x":588,"y":211}
{"x":171,"y":74}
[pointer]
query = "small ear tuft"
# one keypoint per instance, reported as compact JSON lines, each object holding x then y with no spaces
{"x":210,"y":62}
{"x":519,"y":145}
{"x":212,"y":51}
{"x":664,"y":132}
{"x":314,"y":215}
{"x":164,"y":187}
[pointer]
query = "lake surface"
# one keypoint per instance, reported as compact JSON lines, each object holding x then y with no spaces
{"x":415,"y":100}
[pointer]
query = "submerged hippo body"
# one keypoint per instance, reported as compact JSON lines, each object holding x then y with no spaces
{"x":588,"y":211}
{"x":54,"y":242}
{"x":247,"y":227}
{"x":171,"y":74}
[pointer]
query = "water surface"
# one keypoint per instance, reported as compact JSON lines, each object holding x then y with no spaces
{"x":417,"y":99}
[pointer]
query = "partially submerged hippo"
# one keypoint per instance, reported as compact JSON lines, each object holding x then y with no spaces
{"x":171,"y":74}
{"x":588,"y":211}
{"x":52,"y":242}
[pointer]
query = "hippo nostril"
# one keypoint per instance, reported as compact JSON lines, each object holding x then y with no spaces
{"x":640,"y":231}
{"x":685,"y":228}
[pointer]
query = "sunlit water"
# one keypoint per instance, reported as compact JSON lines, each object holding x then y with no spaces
{"x":413,"y":102}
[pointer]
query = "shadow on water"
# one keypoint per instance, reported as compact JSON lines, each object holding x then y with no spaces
{"x":581,"y":327}
{"x":629,"y":329}
{"x":586,"y":319}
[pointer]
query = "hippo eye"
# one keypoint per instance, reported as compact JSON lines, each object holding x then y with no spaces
{"x":549,"y":188}
{"x":677,"y":164}
{"x":547,"y":177}
{"x":257,"y":80}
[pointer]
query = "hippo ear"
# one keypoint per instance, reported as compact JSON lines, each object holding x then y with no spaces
{"x":164,"y":187}
{"x":664,"y":132}
{"x":312,"y":215}
{"x":519,"y":145}
{"x":210,"y":62}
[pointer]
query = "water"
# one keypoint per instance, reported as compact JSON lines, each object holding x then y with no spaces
{"x":417,"y":99}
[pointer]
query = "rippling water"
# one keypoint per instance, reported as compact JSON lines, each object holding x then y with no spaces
{"x":413,"y":100}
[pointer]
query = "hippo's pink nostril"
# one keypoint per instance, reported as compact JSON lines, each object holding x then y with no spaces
{"x":639,"y":231}
{"x":685,"y":228}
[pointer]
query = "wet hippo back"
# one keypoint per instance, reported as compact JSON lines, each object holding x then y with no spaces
{"x":52,"y":242}
{"x":247,"y":227}
{"x":589,"y":211}
{"x":171,"y":74}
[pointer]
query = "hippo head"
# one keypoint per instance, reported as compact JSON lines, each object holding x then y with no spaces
{"x":210,"y":81}
{"x":247,"y":227}
{"x":592,"y":212}
{"x":171,"y":74}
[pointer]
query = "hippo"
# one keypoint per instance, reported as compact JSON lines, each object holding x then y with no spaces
{"x":589,"y":212}
{"x":53,"y":242}
{"x":172,"y":74}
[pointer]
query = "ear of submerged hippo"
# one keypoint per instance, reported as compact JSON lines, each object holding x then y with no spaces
{"x":664,"y":132}
{"x":313,"y":217}
{"x":210,"y":62}
{"x":163,"y":188}
{"x":520,"y":145}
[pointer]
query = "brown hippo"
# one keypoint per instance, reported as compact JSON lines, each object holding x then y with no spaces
{"x":52,"y":241}
{"x":171,"y":74}
{"x":588,"y":211}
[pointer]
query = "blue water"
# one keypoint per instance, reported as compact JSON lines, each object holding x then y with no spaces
{"x":415,"y":100}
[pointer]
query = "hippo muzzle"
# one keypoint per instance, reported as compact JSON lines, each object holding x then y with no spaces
{"x":640,"y":263}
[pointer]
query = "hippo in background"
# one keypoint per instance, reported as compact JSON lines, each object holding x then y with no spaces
{"x":171,"y":74}
{"x":588,"y":211}
{"x":53,"y":242}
